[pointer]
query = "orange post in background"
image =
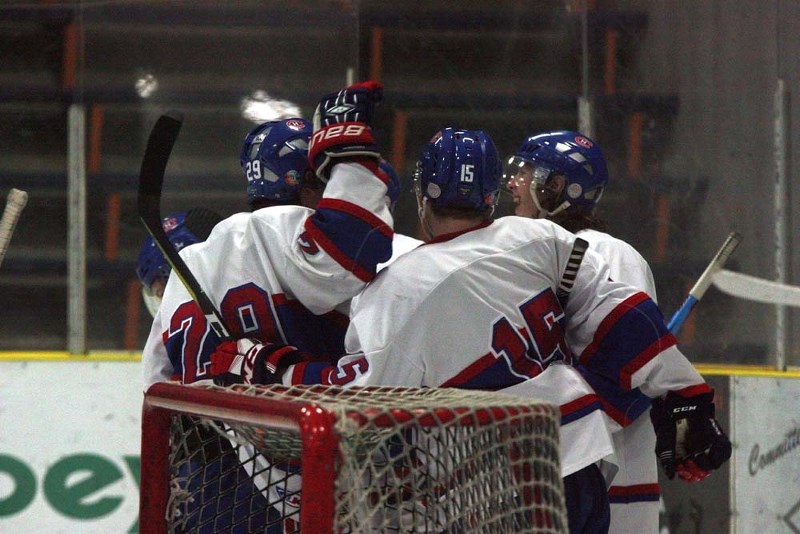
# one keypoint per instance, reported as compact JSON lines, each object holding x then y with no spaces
{"x":610,"y":68}
{"x":635,"y":127}
{"x":69,"y":64}
{"x":399,"y":141}
{"x":132,"y":310}
{"x":96,"y":122}
{"x":376,"y":53}
{"x":113,"y":209}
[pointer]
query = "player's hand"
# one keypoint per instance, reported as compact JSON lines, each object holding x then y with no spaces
{"x":689,"y":440}
{"x":248,"y":361}
{"x":343,"y":126}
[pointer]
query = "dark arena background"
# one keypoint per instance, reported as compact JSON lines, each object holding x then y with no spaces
{"x":693,"y":103}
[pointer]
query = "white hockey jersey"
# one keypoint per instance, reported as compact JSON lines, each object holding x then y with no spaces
{"x":478,"y":310}
{"x":634,"y":493}
{"x":272,"y":272}
{"x":400,"y":245}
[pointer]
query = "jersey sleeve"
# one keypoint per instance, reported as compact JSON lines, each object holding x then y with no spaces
{"x":352,"y":222}
{"x":156,"y":366}
{"x":619,"y":334}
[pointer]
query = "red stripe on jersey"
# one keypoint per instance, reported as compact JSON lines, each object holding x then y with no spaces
{"x":279,"y":298}
{"x":691,"y":391}
{"x":471,"y":371}
{"x":358,"y":212}
{"x":615,"y":414}
{"x":636,"y":489}
{"x":380,"y":173}
{"x":608,"y":323}
{"x":635,"y":494}
{"x":577,"y":404}
{"x":644,"y":357}
{"x":298,"y":371}
{"x":333,"y":251}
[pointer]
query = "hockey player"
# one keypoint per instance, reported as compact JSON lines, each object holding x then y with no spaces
{"x":485,"y":304}
{"x":182,"y":229}
{"x":561,"y":176}
{"x":271,"y":271}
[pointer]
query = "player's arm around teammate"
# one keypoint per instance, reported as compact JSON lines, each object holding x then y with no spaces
{"x":561,"y":176}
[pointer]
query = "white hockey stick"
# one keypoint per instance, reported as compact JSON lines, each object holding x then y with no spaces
{"x":14,"y":204}
{"x":757,"y":289}
{"x":702,"y":284}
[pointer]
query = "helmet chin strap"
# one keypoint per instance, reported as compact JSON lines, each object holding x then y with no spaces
{"x":426,"y":227}
{"x":543,"y":213}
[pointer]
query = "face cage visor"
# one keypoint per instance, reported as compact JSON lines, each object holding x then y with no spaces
{"x":540,"y":175}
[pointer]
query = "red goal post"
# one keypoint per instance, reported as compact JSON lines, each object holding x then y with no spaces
{"x":372,"y":459}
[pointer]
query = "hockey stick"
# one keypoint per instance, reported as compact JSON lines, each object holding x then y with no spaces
{"x":757,"y":289}
{"x":151,"y":179}
{"x":579,"y":248}
{"x":700,"y":287}
{"x":14,"y":204}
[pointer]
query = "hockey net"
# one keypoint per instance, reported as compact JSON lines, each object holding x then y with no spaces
{"x":331,"y":459}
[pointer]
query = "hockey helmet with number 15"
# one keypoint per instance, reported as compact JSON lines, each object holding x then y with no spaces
{"x":275,"y":160}
{"x":567,"y":153}
{"x":459,"y":169}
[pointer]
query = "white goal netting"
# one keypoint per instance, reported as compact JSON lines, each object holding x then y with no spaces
{"x":332,"y":459}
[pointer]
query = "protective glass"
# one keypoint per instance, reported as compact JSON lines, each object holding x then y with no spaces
{"x":539,"y":173}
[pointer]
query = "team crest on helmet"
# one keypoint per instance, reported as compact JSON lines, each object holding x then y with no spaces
{"x":295,"y":124}
{"x":291,"y":178}
{"x":585,"y":143}
{"x":169,"y":224}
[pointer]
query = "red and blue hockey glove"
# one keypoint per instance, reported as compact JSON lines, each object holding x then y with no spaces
{"x":689,"y":440}
{"x":248,"y":361}
{"x":343,"y":126}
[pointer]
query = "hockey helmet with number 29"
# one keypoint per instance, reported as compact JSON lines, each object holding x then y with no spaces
{"x":568,"y":153}
{"x":275,"y":160}
{"x":459,"y":169}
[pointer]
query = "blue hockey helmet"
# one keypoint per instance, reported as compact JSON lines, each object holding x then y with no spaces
{"x":459,"y":169}
{"x":274,"y":159}
{"x":568,"y":153}
{"x":182,"y":229}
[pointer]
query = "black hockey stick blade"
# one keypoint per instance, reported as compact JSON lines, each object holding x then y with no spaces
{"x":151,"y":180}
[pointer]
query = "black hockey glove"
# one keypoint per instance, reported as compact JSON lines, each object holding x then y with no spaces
{"x":343,"y":126}
{"x":689,"y":440}
{"x":248,"y":361}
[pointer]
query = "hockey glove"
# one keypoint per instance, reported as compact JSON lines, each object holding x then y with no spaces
{"x":343,"y":126}
{"x":689,"y":440}
{"x":247,"y":361}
